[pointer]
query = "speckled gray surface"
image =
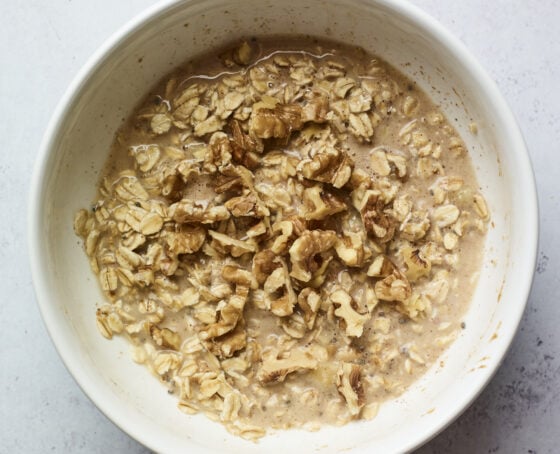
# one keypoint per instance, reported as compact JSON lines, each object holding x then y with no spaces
{"x":43,"y":44}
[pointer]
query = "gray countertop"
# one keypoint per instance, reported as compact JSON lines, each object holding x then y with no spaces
{"x":42,"y":46}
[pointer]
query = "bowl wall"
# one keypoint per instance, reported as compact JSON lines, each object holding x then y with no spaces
{"x":119,"y":75}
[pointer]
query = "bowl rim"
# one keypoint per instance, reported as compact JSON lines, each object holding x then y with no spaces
{"x":36,"y":212}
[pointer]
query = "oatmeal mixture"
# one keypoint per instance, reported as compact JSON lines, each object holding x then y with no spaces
{"x":288,"y":238}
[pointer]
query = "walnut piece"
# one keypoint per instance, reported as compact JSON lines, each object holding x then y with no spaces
{"x":290,"y":228}
{"x":306,"y":254}
{"x":394,"y":287}
{"x":277,"y":122}
{"x":354,"y":322}
{"x":351,"y":249}
{"x":417,"y":265}
{"x":186,"y":240}
{"x":415,"y":226}
{"x":315,"y":109}
{"x":188,"y":211}
{"x":219,"y":148}
{"x":279,"y":294}
{"x":247,"y":205}
{"x":349,"y":385}
{"x":327,"y":165}
{"x":264,"y":264}
{"x":237,"y":275}
{"x":320,"y":204}
{"x":274,"y":370}
{"x":381,"y":267}
{"x":228,"y":316}
{"x":244,"y":147}
{"x":379,"y":224}
{"x":228,"y":344}
{"x":309,"y":301}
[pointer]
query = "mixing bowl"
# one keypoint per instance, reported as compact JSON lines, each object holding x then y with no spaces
{"x":121,"y":72}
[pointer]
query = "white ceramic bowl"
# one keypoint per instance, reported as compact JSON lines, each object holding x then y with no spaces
{"x":77,"y":142}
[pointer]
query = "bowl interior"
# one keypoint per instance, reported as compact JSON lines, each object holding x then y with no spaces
{"x":119,"y":75}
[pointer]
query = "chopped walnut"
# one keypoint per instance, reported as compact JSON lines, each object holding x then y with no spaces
{"x":294,"y":325}
{"x":415,"y":226}
{"x":290,"y":228}
{"x":228,"y":316}
{"x":274,"y":370}
{"x":228,"y":344}
{"x":244,"y":147}
{"x":327,"y":165}
{"x":186,"y":240}
{"x":234,"y":178}
{"x":264,"y":263}
{"x":247,"y":205}
{"x":351,"y":249}
{"x":309,"y":301}
{"x":354,"y":322}
{"x":349,"y":385}
{"x":219,"y":150}
{"x":378,"y":222}
{"x":277,"y":122}
{"x":320,"y":204}
{"x":279,"y":294}
{"x":394,"y":287}
{"x":306,"y":253}
{"x":381,"y":267}
{"x":315,"y":109}
{"x":239,"y":276}
{"x":417,"y":265}
{"x":188,"y":211}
